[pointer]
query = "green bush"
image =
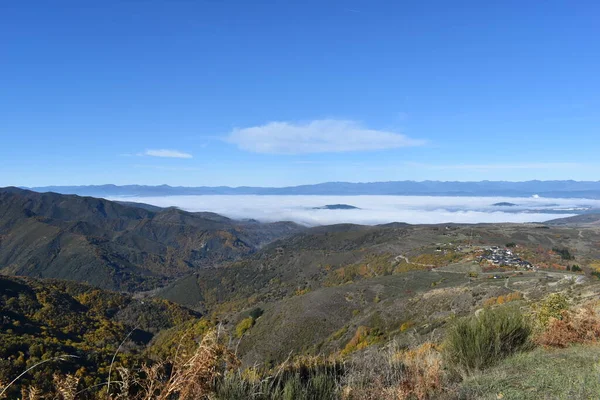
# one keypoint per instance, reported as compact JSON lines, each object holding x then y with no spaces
{"x":565,"y":254}
{"x":477,"y":342}
{"x":244,"y":326}
{"x":256,"y":313}
{"x":551,"y":307}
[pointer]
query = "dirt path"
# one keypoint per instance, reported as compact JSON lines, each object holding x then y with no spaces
{"x":403,"y":257}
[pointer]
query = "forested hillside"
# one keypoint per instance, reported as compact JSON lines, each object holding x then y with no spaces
{"x":117,"y":246}
{"x":75,"y":329}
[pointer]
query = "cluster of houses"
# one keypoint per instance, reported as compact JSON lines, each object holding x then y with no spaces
{"x":504,"y":258}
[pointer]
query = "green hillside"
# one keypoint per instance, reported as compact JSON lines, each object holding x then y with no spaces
{"x":117,"y":246}
{"x":44,"y":319}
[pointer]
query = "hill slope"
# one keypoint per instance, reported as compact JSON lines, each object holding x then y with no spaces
{"x":319,"y":287}
{"x":584,"y":220}
{"x":117,"y":246}
{"x":41,"y":319}
{"x":341,"y":254}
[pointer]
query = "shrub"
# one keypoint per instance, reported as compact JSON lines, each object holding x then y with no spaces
{"x":256,"y":312}
{"x":392,"y":373}
{"x":576,"y":268}
{"x":581,"y":326}
{"x":363,"y":337}
{"x":422,"y":376}
{"x":244,"y":326}
{"x":551,"y":307}
{"x":291,"y":382}
{"x":477,"y":342}
{"x":511,"y":244}
{"x":565,"y":254}
{"x":406,"y":326}
{"x":492,"y":301}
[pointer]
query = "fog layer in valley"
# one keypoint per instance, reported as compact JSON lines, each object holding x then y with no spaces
{"x":376,"y":209}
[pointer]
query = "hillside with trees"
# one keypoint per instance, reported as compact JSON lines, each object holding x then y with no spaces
{"x":117,"y":246}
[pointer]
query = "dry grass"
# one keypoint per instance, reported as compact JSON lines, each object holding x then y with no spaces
{"x":576,"y":326}
{"x":212,"y":371}
{"x":394,"y":374}
{"x":192,"y":376}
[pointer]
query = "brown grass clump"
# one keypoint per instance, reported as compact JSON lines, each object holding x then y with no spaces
{"x":579,"y":326}
{"x":194,"y":377}
{"x":404,"y":374}
{"x":422,"y":372}
{"x":31,"y":393}
{"x":66,"y":386}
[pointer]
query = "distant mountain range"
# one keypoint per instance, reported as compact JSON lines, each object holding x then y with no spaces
{"x":557,"y":189}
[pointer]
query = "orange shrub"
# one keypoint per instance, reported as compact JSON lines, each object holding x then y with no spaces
{"x":580,"y":326}
{"x":423,"y":372}
{"x":492,"y":301}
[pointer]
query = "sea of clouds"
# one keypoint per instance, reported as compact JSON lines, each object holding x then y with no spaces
{"x":375,"y":209}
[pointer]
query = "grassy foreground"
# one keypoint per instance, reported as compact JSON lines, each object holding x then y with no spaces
{"x":569,"y":373}
{"x":548,"y":351}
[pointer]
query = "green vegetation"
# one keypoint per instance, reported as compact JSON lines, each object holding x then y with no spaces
{"x":478,"y":342}
{"x":43,"y":320}
{"x":194,"y":360}
{"x":243,"y":326}
{"x":565,"y":254}
{"x":570,"y":373}
{"x":116,"y":246}
{"x":304,"y":384}
{"x":363,"y":337}
{"x":256,"y":312}
{"x":552,"y":307}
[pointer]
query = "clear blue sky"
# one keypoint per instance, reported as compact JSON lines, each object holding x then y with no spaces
{"x":221,"y":92}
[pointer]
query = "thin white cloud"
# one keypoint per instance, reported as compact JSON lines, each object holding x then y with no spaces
{"x":167,"y":168}
{"x":166,"y":153}
{"x":319,"y":136}
{"x":497,"y":166}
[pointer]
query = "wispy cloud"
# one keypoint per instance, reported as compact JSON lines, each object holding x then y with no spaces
{"x":166,"y":153}
{"x":318,"y":136}
{"x":484,"y":167}
{"x":167,"y":168}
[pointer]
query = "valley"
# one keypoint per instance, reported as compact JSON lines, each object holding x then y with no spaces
{"x":279,"y":290}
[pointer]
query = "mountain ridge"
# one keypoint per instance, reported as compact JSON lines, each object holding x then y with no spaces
{"x":555,"y":188}
{"x":116,"y":246}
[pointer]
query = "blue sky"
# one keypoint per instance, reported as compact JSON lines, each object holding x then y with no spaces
{"x":273,"y":93}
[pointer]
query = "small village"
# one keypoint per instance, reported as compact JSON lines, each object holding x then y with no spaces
{"x":504,"y":258}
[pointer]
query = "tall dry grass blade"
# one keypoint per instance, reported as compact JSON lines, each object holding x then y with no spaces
{"x":113,"y":361}
{"x":59,"y":358}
